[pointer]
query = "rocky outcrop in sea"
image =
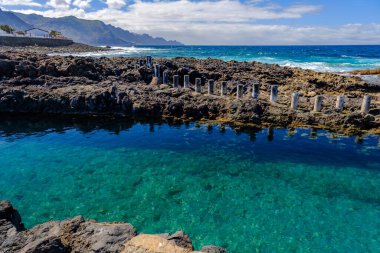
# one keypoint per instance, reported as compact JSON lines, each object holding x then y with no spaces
{"x":79,"y":235}
{"x":33,"y":82}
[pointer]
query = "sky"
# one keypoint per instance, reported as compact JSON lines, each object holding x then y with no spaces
{"x":227,"y":22}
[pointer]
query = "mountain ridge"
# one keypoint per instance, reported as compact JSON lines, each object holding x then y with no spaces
{"x":91,"y":32}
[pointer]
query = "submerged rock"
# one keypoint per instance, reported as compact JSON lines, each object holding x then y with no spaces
{"x":78,"y":235}
{"x":153,"y":244}
{"x":8,"y":213}
{"x":213,"y":249}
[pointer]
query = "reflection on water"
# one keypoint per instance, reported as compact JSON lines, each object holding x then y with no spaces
{"x":265,"y":190}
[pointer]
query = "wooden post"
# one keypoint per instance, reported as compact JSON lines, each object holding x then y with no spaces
{"x":366,"y":104}
{"x":186,"y":81}
{"x":255,"y":90}
{"x":198,"y":85}
{"x":165,"y":77}
{"x":149,"y":61}
{"x":239,"y":91}
{"x":273,"y":93}
{"x":339,"y":103}
{"x":175,"y":81}
{"x":210,"y":87}
{"x":318,"y":103}
{"x":294,"y":101}
{"x":223,"y":88}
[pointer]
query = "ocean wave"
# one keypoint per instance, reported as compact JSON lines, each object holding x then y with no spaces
{"x":115,"y":51}
{"x":326,"y":62}
{"x":313,"y":65}
{"x":322,"y":66}
{"x":137,"y":49}
{"x":316,"y":66}
{"x":351,"y":56}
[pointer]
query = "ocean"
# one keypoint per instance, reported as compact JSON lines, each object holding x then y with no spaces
{"x":268,"y":190}
{"x":318,"y":58}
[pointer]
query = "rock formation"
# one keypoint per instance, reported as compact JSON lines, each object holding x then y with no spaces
{"x":33,"y":82}
{"x":78,"y":235}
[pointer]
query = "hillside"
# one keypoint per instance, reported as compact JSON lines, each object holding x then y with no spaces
{"x":10,"y":18}
{"x":92,"y":32}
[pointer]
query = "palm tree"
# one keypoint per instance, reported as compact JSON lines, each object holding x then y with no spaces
{"x":55,"y":34}
{"x":6,"y":28}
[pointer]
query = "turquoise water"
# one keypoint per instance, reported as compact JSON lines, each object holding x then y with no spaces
{"x":286,"y":191}
{"x":319,"y":58}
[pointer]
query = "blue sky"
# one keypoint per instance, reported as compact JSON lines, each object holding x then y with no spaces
{"x":227,"y":21}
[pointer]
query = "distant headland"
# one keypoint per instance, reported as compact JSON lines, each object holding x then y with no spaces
{"x":91,"y":32}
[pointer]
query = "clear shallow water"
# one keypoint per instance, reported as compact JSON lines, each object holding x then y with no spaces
{"x":300,"y":192}
{"x":319,"y":58}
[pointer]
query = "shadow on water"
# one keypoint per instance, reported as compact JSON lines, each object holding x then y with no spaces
{"x":292,"y":145}
{"x":29,"y":124}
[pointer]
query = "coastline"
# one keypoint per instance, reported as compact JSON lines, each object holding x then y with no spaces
{"x":375,"y":72}
{"x":119,"y":87}
{"x":73,"y":48}
{"x":371,"y":76}
{"x":35,"y":85}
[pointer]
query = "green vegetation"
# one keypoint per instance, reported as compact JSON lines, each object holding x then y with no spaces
{"x":55,"y":34}
{"x":6,"y":28}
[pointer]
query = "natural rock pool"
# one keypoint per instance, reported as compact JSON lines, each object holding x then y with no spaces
{"x":293,"y":191}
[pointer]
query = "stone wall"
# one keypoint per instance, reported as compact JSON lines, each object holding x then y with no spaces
{"x":30,"y":41}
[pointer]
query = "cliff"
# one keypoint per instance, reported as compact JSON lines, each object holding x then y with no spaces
{"x":91,"y":32}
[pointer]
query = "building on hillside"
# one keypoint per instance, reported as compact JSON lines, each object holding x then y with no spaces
{"x":20,"y":33}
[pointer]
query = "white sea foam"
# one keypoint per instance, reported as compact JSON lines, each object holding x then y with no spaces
{"x":316,"y":66}
{"x":114,"y":52}
{"x":371,"y":79}
{"x":344,"y":64}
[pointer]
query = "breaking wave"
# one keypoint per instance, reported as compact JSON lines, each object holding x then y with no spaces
{"x":318,"y":58}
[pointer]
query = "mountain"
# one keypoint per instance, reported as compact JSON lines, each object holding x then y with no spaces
{"x":92,"y":32}
{"x":10,"y":18}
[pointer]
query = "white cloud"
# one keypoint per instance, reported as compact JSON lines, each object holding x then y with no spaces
{"x":82,"y":4}
{"x":19,"y":2}
{"x":213,"y":11}
{"x":115,"y":4}
{"x":59,"y":4}
{"x":222,"y":22}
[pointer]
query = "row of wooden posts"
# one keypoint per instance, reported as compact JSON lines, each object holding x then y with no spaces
{"x":365,"y":106}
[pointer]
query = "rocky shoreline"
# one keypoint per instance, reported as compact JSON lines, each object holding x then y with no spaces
{"x":33,"y":82}
{"x":84,"y":235}
{"x":73,"y":48}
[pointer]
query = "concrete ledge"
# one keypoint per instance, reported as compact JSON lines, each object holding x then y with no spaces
{"x":30,"y":41}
